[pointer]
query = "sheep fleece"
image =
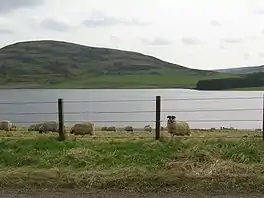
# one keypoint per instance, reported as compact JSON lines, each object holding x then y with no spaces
{"x":50,"y":126}
{"x":83,"y":128}
{"x":179,"y":128}
{"x":5,"y":125}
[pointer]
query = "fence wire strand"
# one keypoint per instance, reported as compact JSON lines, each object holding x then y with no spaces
{"x":132,"y":100}
{"x":135,"y":112}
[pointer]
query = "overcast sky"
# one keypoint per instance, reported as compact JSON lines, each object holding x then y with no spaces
{"x":203,"y":34}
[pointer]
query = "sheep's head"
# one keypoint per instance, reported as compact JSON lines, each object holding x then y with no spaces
{"x":171,"y":119}
{"x":72,"y":130}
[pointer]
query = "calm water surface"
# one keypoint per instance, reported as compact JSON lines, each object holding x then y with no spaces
{"x":202,"y":109}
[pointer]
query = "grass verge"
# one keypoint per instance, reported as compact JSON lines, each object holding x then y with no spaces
{"x":184,"y":165}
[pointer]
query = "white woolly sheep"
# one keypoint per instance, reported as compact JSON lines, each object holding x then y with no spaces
{"x":6,"y":125}
{"x":83,"y":129}
{"x":178,"y":128}
{"x":148,"y":128}
{"x":47,"y":126}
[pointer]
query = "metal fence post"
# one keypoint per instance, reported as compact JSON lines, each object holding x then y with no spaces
{"x":158,"y":108}
{"x":61,"y":120}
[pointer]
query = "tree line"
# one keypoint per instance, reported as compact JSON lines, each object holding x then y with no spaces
{"x":244,"y":81}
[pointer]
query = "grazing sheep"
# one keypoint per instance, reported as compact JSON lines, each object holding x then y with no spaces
{"x":111,"y":128}
{"x":148,"y":128}
{"x":6,"y":125}
{"x":129,"y":129}
{"x":51,"y":126}
{"x":34,"y":127}
{"x":104,"y":129}
{"x":14,"y":127}
{"x":83,"y":129}
{"x":178,"y":128}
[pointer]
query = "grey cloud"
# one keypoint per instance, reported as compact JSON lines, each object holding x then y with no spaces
{"x":156,"y":41}
{"x":232,"y":40}
{"x":10,"y":5}
{"x":261,"y":54}
{"x":99,"y":19}
{"x":5,"y":31}
{"x":189,"y":40}
{"x":54,"y":25}
{"x":215,"y":23}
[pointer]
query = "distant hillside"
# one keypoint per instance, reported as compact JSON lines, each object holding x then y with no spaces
{"x":54,"y":64}
{"x":242,"y":70}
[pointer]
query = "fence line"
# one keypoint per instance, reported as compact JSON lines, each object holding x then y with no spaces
{"x":133,"y":100}
{"x":134,"y":112}
{"x":60,"y":111}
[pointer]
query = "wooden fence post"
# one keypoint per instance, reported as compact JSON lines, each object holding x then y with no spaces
{"x":263,"y":117}
{"x":61,"y":120}
{"x":158,"y":108}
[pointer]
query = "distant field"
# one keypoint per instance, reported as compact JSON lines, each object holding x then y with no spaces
{"x":205,"y":162}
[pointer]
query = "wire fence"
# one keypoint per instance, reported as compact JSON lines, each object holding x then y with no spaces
{"x":200,"y":113}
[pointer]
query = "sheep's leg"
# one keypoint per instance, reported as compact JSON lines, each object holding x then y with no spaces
{"x":172,"y":135}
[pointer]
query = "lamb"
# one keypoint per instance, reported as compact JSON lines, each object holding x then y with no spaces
{"x":6,"y":125}
{"x":83,"y":129}
{"x":178,"y":128}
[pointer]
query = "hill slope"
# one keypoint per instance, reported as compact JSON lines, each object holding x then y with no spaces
{"x":54,"y":64}
{"x":242,"y":70}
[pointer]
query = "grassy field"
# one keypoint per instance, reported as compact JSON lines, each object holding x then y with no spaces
{"x":55,"y":64}
{"x":207,"y":161}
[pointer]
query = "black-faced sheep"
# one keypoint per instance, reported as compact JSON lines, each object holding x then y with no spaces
{"x":178,"y":128}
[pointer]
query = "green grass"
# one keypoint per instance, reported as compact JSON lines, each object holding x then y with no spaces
{"x":205,"y":162}
{"x":54,"y":64}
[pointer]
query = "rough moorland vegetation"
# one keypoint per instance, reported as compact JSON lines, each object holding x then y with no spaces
{"x":54,"y":64}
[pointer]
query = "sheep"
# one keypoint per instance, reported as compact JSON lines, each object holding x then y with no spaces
{"x":6,"y":125}
{"x":178,"y":128}
{"x":148,"y":128}
{"x":111,"y":128}
{"x":52,"y":126}
{"x":34,"y":127}
{"x":83,"y":128}
{"x":104,"y":129}
{"x":13,"y":127}
{"x":129,"y":129}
